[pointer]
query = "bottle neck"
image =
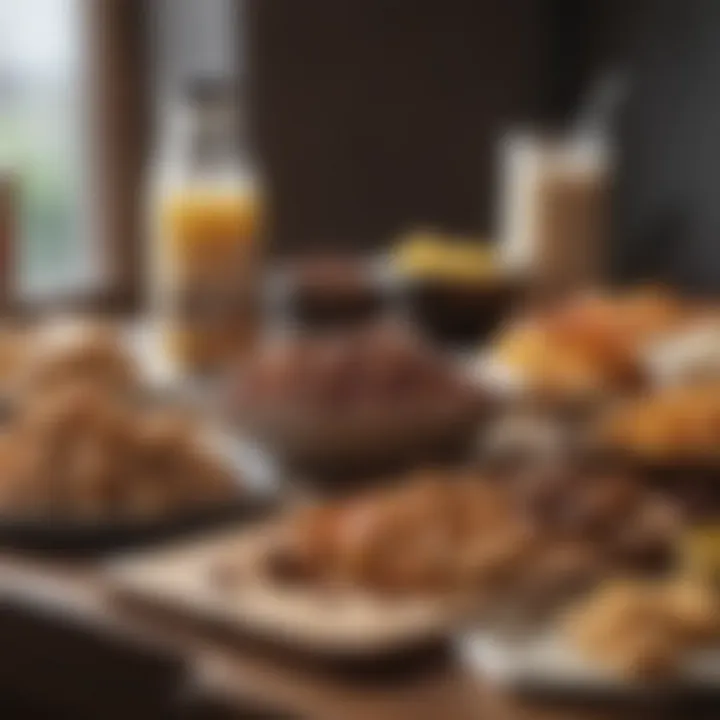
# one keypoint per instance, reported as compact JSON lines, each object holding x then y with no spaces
{"x":205,"y":143}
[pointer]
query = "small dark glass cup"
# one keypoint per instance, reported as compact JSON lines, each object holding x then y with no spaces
{"x":328,"y":293}
{"x":458,"y":314}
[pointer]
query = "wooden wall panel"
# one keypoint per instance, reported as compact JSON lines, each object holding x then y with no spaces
{"x":374,"y":114}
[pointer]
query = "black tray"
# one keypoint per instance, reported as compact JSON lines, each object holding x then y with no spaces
{"x":49,"y":537}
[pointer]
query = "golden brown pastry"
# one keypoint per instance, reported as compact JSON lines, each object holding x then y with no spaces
{"x":645,"y":629}
{"x":432,"y":534}
{"x":671,"y":424}
{"x":446,"y":532}
{"x":588,"y":345}
{"x":451,"y":532}
{"x":78,"y":350}
{"x":81,"y":453}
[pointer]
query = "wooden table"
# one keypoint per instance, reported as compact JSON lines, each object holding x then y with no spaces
{"x":66,"y":640}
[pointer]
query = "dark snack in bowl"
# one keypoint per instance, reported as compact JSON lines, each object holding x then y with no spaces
{"x":363,"y":401}
{"x":454,"y":288}
{"x":328,"y":293}
{"x":81,"y":454}
{"x":457,"y":313}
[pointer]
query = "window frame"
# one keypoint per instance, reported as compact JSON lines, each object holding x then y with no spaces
{"x":118,"y":124}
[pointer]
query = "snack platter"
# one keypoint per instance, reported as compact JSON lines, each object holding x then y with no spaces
{"x":340,"y":623}
{"x":98,"y":537}
{"x":504,"y":486}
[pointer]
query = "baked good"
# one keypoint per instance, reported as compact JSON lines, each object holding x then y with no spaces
{"x":587,"y":345}
{"x":451,"y":532}
{"x":434,"y":534}
{"x":79,"y":453}
{"x":642,"y":629}
{"x":671,"y":424}
{"x":65,"y":351}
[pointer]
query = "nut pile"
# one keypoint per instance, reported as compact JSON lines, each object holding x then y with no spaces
{"x":372,"y":371}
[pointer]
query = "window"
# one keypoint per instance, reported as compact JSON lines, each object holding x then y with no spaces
{"x":43,"y":124}
{"x":76,"y":84}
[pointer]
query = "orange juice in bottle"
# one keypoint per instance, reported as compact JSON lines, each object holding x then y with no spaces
{"x":207,"y":219}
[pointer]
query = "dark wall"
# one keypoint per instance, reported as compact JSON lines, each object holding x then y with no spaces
{"x":374,"y":114}
{"x":668,"y":194}
{"x":588,"y":37}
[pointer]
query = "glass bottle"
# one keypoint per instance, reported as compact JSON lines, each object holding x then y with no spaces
{"x":205,"y":217}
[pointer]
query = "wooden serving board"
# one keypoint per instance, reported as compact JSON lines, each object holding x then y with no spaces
{"x":337,"y":622}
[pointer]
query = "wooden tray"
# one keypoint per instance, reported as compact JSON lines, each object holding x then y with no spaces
{"x":342,"y":623}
